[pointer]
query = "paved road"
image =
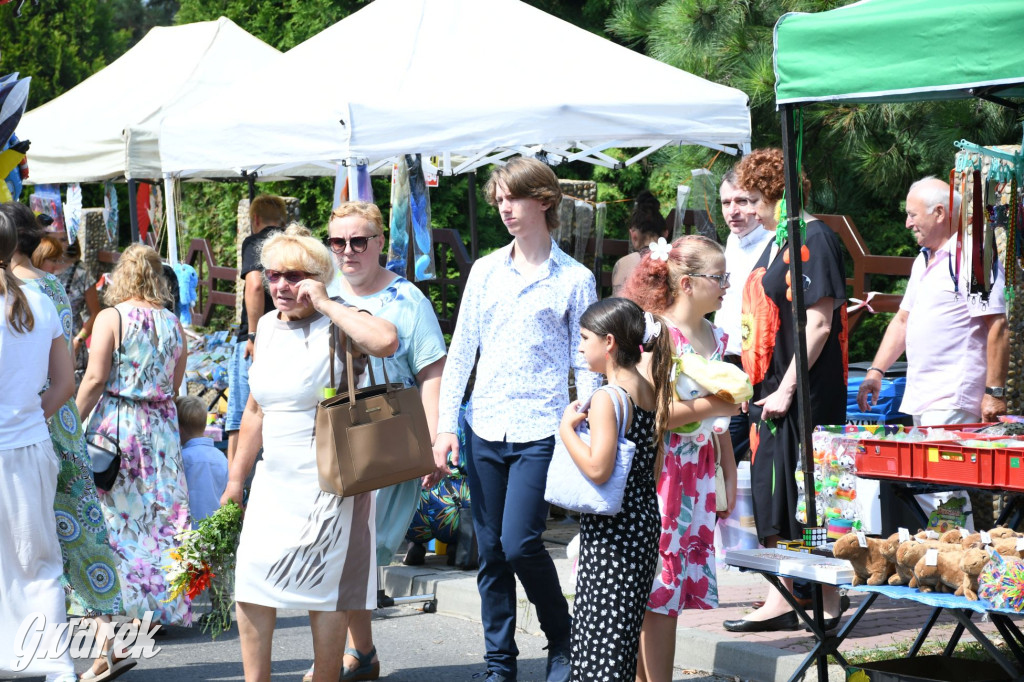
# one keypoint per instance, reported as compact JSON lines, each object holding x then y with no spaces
{"x":414,"y":646}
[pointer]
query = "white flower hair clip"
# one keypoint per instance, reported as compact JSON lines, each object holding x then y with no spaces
{"x":652,"y":328}
{"x":660,"y":249}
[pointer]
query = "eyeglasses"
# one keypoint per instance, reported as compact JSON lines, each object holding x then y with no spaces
{"x":723,"y":280}
{"x":291,"y":276}
{"x":358,"y":244}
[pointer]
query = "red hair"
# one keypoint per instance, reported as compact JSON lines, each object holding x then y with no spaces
{"x":654,"y":283}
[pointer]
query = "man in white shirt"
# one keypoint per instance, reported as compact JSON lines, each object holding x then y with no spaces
{"x":521,"y":310}
{"x":747,"y":241}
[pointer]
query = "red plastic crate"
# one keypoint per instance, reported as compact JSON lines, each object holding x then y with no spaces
{"x":1009,"y":468}
{"x":950,"y":462}
{"x":884,"y":459}
{"x":893,"y":459}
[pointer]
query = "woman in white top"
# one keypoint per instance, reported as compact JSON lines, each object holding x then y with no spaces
{"x":32,"y":347}
{"x":300,"y":548}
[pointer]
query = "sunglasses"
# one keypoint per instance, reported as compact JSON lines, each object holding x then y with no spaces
{"x":723,"y":280}
{"x":291,"y":276}
{"x":357,"y":244}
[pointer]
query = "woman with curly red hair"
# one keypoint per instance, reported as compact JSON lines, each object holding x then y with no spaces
{"x":769,"y":347}
{"x":683,"y":283}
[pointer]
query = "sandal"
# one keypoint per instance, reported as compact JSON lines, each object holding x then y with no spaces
{"x":368,"y":669}
{"x":308,"y":677}
{"x":114,"y":668}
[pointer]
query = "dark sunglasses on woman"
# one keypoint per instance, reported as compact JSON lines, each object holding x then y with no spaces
{"x":358,"y":244}
{"x":290,"y":276}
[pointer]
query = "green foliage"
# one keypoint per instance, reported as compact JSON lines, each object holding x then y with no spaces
{"x":861,"y":158}
{"x":60,"y":43}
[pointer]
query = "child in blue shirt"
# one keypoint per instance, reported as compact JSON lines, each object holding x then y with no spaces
{"x":206,"y":467}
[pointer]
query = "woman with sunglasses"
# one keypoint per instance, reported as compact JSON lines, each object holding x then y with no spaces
{"x":301,"y":548}
{"x":357,"y":240}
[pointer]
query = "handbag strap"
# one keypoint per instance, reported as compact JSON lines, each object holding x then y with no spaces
{"x":117,"y":355}
{"x":619,"y":398}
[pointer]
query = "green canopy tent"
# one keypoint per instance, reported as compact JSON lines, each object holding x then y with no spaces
{"x":883,"y":51}
{"x":901,"y":51}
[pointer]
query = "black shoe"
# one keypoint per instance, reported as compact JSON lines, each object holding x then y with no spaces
{"x":786,"y":621}
{"x":414,"y":556}
{"x":495,"y":676}
{"x":559,"y":667}
{"x":829,"y":624}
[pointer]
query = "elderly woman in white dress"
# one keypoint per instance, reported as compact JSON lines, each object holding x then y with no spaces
{"x":301,"y":548}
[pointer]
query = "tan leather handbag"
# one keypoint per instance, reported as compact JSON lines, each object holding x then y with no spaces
{"x":372,"y":437}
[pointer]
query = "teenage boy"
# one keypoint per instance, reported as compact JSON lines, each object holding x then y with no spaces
{"x":520,"y":311}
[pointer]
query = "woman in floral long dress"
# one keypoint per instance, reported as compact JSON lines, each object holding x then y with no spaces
{"x":90,"y":578}
{"x":683,"y":282}
{"x":134,"y":400}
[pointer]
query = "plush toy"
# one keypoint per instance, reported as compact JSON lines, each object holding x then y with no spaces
{"x":1007,"y":547}
{"x":869,"y":565}
{"x":971,"y":564}
{"x":952,"y":535}
{"x":696,"y":377}
{"x":945,"y":575}
{"x":909,"y":553}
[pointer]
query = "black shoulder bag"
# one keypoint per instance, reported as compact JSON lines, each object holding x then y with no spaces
{"x":104,"y":452}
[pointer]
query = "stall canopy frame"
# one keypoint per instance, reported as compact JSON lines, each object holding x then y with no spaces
{"x":878,"y":51}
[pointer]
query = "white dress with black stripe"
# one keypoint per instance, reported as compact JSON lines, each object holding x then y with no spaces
{"x":301,"y":548}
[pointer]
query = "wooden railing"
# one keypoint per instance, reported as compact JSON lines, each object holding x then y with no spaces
{"x":866,"y":264}
{"x":200,"y":257}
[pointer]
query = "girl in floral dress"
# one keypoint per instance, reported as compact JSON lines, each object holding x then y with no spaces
{"x":683,"y":282}
{"x":134,"y":400}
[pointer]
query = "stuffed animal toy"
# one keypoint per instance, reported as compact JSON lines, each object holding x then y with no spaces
{"x":1003,"y":532}
{"x":696,"y":377}
{"x":869,"y":565}
{"x":909,"y":553}
{"x":952,"y":535}
{"x":1007,"y":546}
{"x":945,"y":575}
{"x":971,"y":564}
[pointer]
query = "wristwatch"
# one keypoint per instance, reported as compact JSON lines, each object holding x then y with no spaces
{"x":252,"y":337}
{"x":995,"y":391}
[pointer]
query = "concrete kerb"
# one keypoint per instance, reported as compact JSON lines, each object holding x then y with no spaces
{"x":696,"y":649}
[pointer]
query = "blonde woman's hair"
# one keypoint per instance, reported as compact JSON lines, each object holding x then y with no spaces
{"x":363,"y":209}
{"x":18,"y":313}
{"x":191,"y":414}
{"x":297,"y":249}
{"x":49,"y":248}
{"x":139,"y":273}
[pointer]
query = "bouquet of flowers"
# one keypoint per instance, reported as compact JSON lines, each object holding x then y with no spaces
{"x":205,"y":553}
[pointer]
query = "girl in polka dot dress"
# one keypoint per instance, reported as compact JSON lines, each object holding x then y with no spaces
{"x":618,"y":553}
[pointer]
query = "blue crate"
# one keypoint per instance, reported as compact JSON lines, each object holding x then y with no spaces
{"x":889,"y":398}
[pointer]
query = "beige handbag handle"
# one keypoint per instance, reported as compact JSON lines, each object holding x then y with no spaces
{"x":353,"y":414}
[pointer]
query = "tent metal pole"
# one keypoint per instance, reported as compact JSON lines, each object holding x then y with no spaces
{"x":803,"y":386}
{"x":133,"y":209}
{"x":794,"y":207}
{"x":250,"y":179}
{"x":474,"y":246}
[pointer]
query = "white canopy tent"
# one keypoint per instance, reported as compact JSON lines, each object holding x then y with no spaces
{"x":106,"y":127}
{"x":477,"y":81}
